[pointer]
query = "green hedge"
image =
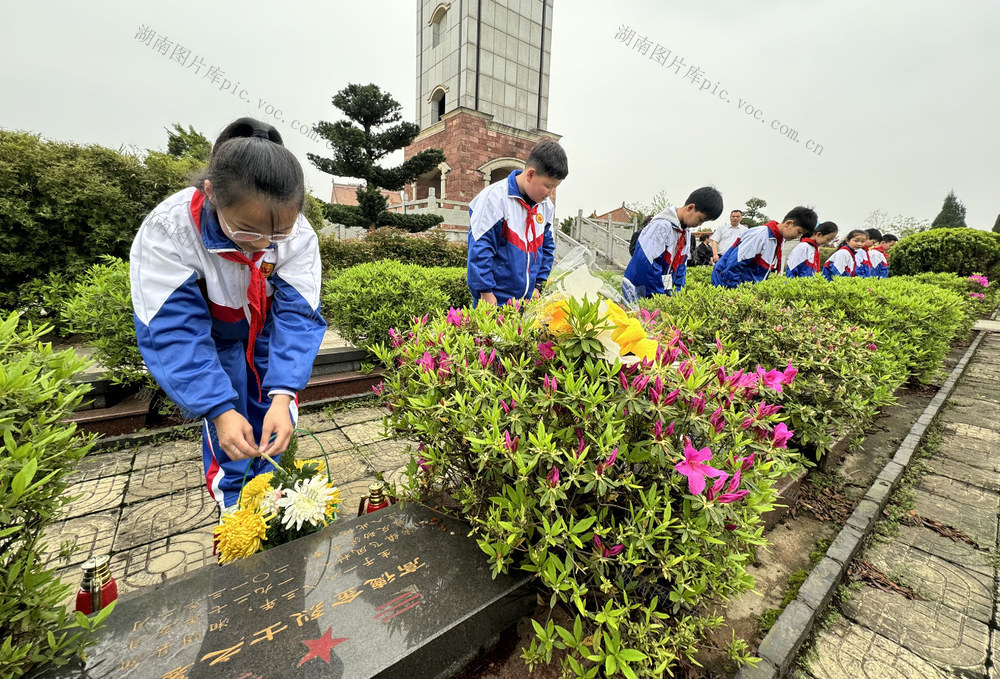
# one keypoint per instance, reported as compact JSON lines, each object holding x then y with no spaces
{"x":958,"y":251}
{"x":39,"y":453}
{"x":841,"y":383}
{"x":365,"y":301}
{"x":916,"y":321}
{"x":429,"y":249}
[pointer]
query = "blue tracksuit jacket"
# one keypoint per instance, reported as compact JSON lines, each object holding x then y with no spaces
{"x":751,"y":258}
{"x":803,"y":260}
{"x":841,"y":263}
{"x":659,"y":263}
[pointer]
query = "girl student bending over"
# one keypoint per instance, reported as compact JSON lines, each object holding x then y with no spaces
{"x":844,"y":260}
{"x":804,"y":259}
{"x":225,"y":285}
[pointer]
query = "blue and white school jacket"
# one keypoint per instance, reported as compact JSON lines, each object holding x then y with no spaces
{"x":751,"y":258}
{"x":192,"y":314}
{"x":511,"y":246}
{"x":843,"y":262}
{"x":863,"y":264}
{"x":880,"y":264}
{"x":803,"y":260}
{"x":659,"y":263}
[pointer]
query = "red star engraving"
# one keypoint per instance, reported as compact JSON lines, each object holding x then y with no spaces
{"x":320,"y":648}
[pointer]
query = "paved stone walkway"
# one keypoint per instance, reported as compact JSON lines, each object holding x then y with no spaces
{"x":148,"y":507}
{"x":952,"y":630}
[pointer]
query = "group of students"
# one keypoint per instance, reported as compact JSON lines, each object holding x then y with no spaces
{"x":659,"y":261}
{"x":226,"y":277}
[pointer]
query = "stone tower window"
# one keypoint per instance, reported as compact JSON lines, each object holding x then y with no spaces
{"x":437,"y":19}
{"x":437,"y":102}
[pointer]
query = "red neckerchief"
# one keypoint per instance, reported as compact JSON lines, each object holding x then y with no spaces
{"x":773,"y":228}
{"x":256,"y":290}
{"x":868,"y":258}
{"x":679,"y":256}
{"x":854,"y":261}
{"x":529,"y":224}
{"x":815,"y":263}
{"x":881,"y":248}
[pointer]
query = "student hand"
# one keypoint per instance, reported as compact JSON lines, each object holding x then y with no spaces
{"x":488,"y":297}
{"x":277,"y":421}
{"x":235,"y":435}
{"x":715,"y":258}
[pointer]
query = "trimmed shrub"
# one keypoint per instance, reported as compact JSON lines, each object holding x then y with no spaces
{"x":977,"y":298}
{"x":39,"y":453}
{"x":915,"y":321}
{"x":589,"y":474}
{"x":100,"y":310}
{"x":845,"y":374}
{"x":365,"y":301}
{"x":958,"y":251}
{"x":429,"y":249}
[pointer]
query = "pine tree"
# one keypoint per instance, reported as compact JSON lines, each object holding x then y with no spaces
{"x":952,"y":214}
{"x":372,"y":131}
{"x":753,"y":215}
{"x":188,"y":143}
{"x":996,"y":225}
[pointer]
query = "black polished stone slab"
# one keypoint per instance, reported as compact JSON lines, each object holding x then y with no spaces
{"x":402,"y":592}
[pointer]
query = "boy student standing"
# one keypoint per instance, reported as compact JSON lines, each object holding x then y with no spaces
{"x":659,"y":262}
{"x":510,"y":229}
{"x":880,"y":255}
{"x":725,"y":236}
{"x":864,"y":268}
{"x":757,"y":253}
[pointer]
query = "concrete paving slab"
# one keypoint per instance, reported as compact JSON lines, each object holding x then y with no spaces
{"x":987,"y":326}
{"x":987,"y":479}
{"x":146,"y":484}
{"x":332,"y":441}
{"x":936,"y":580}
{"x":972,"y":452}
{"x":849,"y":651}
{"x":101,"y":465}
{"x":345,"y":466}
{"x":977,"y":433}
{"x":387,"y":454}
{"x":345,"y":418}
{"x":89,"y":535}
{"x":364,"y":433}
{"x":153,"y":563}
{"x":959,"y":553}
{"x":146,"y":522}
{"x":932,"y":631}
{"x":315,"y":422}
{"x":95,"y":496}
{"x":975,"y":523}
{"x":168,"y":452}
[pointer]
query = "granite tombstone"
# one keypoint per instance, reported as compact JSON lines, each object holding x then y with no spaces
{"x":402,"y":592}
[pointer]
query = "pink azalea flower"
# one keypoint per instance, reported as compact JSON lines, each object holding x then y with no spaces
{"x":685,"y":369}
{"x":622,"y":380}
{"x":871,"y":347}
{"x":507,"y":408}
{"x":773,"y":379}
{"x":781,"y":435}
{"x":426,"y":362}
{"x":669,"y":431}
{"x":605,"y":465}
{"x":720,"y":375}
{"x":510,"y":443}
{"x":553,"y":477}
{"x":790,"y":373}
{"x":698,"y":403}
{"x":734,"y":482}
{"x":716,"y":488}
{"x":396,"y":338}
{"x":550,"y":384}
{"x":730,"y":526}
{"x":546,"y":350}
{"x":683,"y":348}
{"x":422,"y":464}
{"x":695,"y":469}
{"x":420,"y":321}
{"x":726,"y":498}
{"x":671,"y":397}
{"x":764,"y":410}
{"x":581,"y":446}
{"x":608,"y":552}
{"x":718,"y":343}
{"x":379,"y":388}
{"x":454,"y":317}
{"x":658,"y":430}
{"x":717,"y":420}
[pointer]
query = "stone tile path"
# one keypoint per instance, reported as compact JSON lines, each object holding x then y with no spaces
{"x":952,"y":629}
{"x":148,"y":507}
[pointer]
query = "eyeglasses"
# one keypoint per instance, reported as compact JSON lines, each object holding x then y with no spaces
{"x":250,"y":236}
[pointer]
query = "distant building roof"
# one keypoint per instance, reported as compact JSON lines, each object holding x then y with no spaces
{"x":619,"y":214}
{"x":346,"y":194}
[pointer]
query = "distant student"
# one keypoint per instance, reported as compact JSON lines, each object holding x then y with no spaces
{"x":864,"y":267}
{"x":843,"y":262}
{"x":659,"y":263}
{"x":880,"y":255}
{"x":805,"y":261}
{"x":758,"y":252}
{"x":511,"y":245}
{"x":726,"y":235}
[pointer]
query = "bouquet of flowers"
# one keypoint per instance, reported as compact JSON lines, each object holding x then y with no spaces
{"x":277,"y":507}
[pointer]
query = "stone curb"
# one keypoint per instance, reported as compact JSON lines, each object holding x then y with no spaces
{"x":778,"y":649}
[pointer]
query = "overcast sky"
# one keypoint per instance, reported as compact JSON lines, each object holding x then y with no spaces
{"x":901,"y":95}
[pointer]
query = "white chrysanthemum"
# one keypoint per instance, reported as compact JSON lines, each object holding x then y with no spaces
{"x":305,"y":503}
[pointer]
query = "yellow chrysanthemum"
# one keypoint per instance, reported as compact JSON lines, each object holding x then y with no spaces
{"x":558,"y":313}
{"x":254,"y":490}
{"x":241,"y":534}
{"x":333,"y":504}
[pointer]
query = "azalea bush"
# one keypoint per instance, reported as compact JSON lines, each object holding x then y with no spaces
{"x":426,"y":249}
{"x":978,"y":298}
{"x":846,"y":374}
{"x":294,"y":500}
{"x":959,"y":251}
{"x":915,"y":321}
{"x":363,"y":302}
{"x":625,"y":472}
